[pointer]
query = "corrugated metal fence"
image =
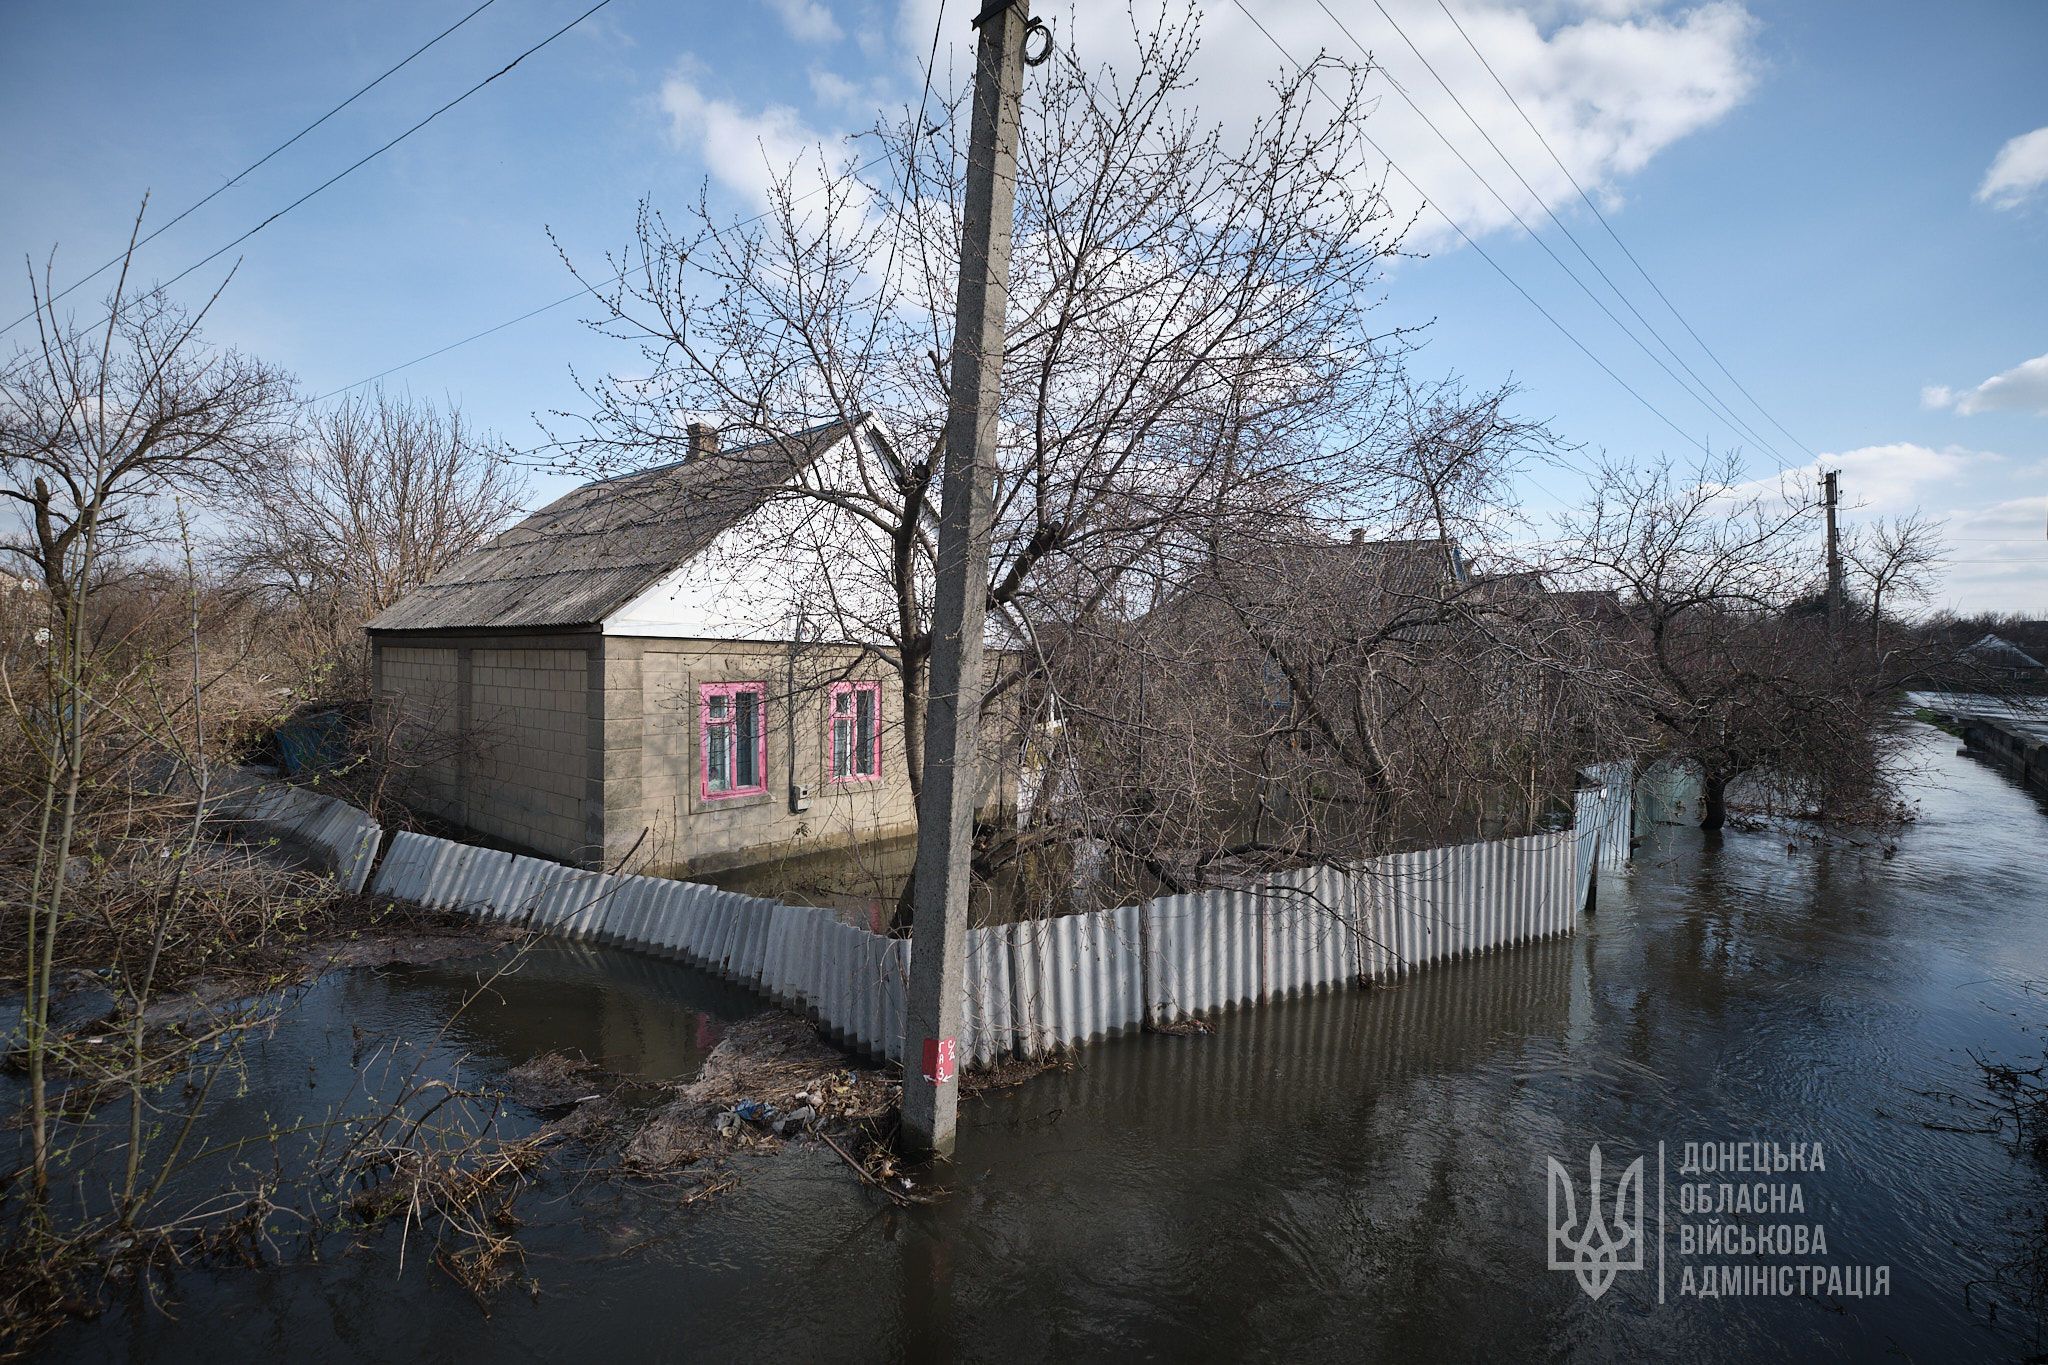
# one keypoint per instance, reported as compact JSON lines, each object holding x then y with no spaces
{"x":336,"y":836}
{"x":1038,"y":986}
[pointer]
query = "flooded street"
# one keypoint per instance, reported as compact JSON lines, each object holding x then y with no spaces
{"x":1345,"y":1176}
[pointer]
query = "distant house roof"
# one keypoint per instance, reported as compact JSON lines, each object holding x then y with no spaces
{"x":1380,"y":577}
{"x":1997,"y":650}
{"x":1303,"y":583}
{"x":591,"y":551}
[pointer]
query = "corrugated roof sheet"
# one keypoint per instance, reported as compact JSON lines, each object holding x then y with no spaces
{"x":591,"y":551}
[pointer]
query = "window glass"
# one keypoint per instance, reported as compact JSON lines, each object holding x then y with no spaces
{"x":733,"y":738}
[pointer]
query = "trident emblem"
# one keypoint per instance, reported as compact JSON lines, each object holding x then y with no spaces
{"x":1608,"y":1240}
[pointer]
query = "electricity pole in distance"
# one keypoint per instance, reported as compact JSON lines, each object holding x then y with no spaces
{"x":1830,"y":492}
{"x":952,"y":735}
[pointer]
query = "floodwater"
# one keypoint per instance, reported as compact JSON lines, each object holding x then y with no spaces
{"x":1342,"y":1177}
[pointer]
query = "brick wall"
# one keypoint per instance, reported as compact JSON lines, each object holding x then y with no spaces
{"x":585,"y":748}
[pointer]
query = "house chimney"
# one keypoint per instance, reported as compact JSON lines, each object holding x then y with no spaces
{"x":703,"y":439}
{"x":1358,"y":535}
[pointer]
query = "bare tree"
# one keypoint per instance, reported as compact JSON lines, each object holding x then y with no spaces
{"x":102,"y":428}
{"x":1893,"y":561}
{"x":382,"y":492}
{"x":1190,"y":336}
{"x":1736,"y":666}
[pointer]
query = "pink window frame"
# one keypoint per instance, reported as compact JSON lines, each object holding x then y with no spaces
{"x":705,"y":693}
{"x":842,"y":689}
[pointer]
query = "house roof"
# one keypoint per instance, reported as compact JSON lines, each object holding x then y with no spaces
{"x":1294,"y":582}
{"x":590,"y":551}
{"x":2003,"y":652}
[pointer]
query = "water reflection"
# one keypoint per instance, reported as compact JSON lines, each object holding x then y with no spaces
{"x":1342,"y":1176}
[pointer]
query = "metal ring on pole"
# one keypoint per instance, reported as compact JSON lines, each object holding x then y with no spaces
{"x":1043,"y":30}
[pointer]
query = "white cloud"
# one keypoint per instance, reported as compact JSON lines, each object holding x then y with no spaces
{"x":1997,"y":557}
{"x":1997,"y":554}
{"x":1611,"y":84}
{"x":1877,"y":480}
{"x":837,"y":92}
{"x":744,"y":151}
{"x":1900,"y":476}
{"x":2023,"y":388}
{"x":807,"y":21}
{"x":2019,"y":169}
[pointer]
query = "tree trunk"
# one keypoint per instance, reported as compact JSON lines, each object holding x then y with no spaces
{"x":1714,"y":801}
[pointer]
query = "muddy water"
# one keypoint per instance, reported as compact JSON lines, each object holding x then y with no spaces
{"x":1349,"y":1176}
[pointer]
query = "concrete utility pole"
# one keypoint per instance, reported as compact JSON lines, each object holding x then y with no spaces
{"x":952,"y":734}
{"x":1830,"y":491}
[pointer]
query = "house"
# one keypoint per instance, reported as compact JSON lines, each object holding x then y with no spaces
{"x":635,"y":675}
{"x":1996,"y":658}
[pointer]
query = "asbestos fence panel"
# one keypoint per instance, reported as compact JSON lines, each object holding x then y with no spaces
{"x":679,"y":920}
{"x":709,"y":928}
{"x":843,"y":987}
{"x":400,"y":875}
{"x":1031,"y":1027}
{"x":985,"y":1013}
{"x":533,"y":881}
{"x":338,"y":838}
{"x":486,"y":884}
{"x":896,"y":995}
{"x":1586,"y":843}
{"x":1308,"y":939}
{"x":1167,"y":942}
{"x":775,"y":953}
{"x":811,"y":961}
{"x":722,"y":938}
{"x":1119,"y":947}
{"x":630,"y":923}
{"x":1207,"y":951}
{"x":832,"y":986}
{"x":754,"y":957}
{"x":565,"y":899}
{"x":1611,"y":807}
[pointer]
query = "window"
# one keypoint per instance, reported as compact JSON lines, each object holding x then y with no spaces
{"x":855,"y":740}
{"x":734,"y":742}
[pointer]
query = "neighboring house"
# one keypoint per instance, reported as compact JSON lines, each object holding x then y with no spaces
{"x":629,"y":677}
{"x":1997,"y":657}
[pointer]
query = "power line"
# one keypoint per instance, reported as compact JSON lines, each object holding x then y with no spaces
{"x":1484,"y":255}
{"x":254,"y":165}
{"x":621,"y":274}
{"x":358,"y":164}
{"x":1604,"y":223}
{"x":1723,"y":407}
{"x":575,"y":294}
{"x":1534,"y":236}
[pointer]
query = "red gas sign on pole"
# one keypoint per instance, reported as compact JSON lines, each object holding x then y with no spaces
{"x":940,"y":1060}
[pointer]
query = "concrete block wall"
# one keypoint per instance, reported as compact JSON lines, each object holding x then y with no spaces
{"x":417,"y":684}
{"x":652,"y":763}
{"x":530,"y":730}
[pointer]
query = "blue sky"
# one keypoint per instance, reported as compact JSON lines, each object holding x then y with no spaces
{"x":1811,"y":183}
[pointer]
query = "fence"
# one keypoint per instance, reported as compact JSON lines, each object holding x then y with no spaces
{"x":335,"y":836}
{"x":1033,"y":987}
{"x":1668,"y":792}
{"x":1038,"y":986}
